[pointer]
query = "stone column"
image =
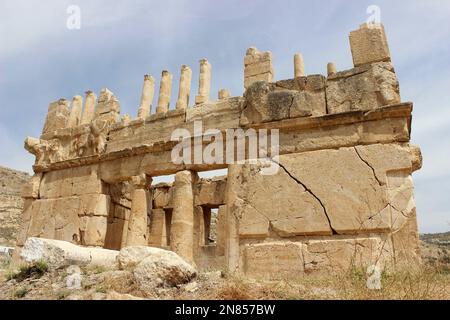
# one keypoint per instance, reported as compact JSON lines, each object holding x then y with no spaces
{"x":89,"y":107}
{"x":75,"y":112}
{"x":148,"y":92}
{"x":331,"y":69}
{"x":299,"y":65}
{"x":224,"y":94}
{"x":204,"y":86}
{"x":182,"y":229}
{"x":141,"y":206}
{"x":185,"y":88}
{"x":165,"y":91}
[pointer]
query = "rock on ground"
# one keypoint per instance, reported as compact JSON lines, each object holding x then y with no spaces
{"x":154,"y":267}
{"x":59,"y":254}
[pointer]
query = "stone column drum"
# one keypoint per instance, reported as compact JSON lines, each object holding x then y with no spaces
{"x":165,"y":90}
{"x":185,"y":88}
{"x":299,"y":65}
{"x":148,"y":92}
{"x":141,"y":206}
{"x":75,"y":112}
{"x":204,"y":87}
{"x":89,"y":107}
{"x":182,"y":229}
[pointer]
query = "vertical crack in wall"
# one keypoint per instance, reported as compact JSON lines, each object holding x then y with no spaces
{"x":368,"y":164}
{"x":311,"y":193}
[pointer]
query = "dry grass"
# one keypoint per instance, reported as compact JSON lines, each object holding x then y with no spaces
{"x":426,"y":283}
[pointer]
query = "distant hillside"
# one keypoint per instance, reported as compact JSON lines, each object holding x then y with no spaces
{"x":436,"y":250}
{"x":442,"y":239}
{"x":11,"y":204}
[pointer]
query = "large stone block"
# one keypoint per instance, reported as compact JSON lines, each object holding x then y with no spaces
{"x":344,"y":254}
{"x":30,"y":190}
{"x":210,"y":192}
{"x":95,"y":205}
{"x":71,"y":182}
{"x":57,"y":116}
{"x":275,"y":260}
{"x":362,"y":88}
{"x":93,"y":230}
{"x":369,"y":44}
{"x":276,"y":205}
{"x":258,"y":67}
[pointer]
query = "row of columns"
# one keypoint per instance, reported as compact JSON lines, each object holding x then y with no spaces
{"x":182,"y":225}
{"x":165,"y":90}
{"x":299,"y":66}
{"x":79,"y":115}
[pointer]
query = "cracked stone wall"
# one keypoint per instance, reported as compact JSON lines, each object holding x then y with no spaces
{"x":327,"y":209}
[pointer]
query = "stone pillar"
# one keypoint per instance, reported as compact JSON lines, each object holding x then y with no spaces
{"x":141,"y":206}
{"x":185,"y":88}
{"x":299,"y":65}
{"x":331,"y":69}
{"x":204,"y":85}
{"x":165,"y":91}
{"x":257,"y":67}
{"x":89,"y":107}
{"x":157,"y":236}
{"x":148,"y":92}
{"x":231,"y":246}
{"x":182,"y":229}
{"x":75,"y":112}
{"x":224,"y":94}
{"x":369,"y":44}
{"x":57,"y":116}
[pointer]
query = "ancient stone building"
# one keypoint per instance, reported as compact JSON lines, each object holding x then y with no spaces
{"x":342,"y":194}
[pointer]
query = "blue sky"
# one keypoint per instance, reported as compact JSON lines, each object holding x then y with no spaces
{"x":41,"y":60}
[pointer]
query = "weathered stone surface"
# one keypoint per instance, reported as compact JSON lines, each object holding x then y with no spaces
{"x":362,"y":88}
{"x":162,"y":269}
{"x":57,"y":116}
{"x":185,"y":88}
{"x":369,"y":44}
{"x":258,"y":67}
{"x":130,"y":257}
{"x":93,"y":230}
{"x":204,"y":86}
{"x":352,"y":197}
{"x":211,"y":192}
{"x":60,"y":254}
{"x":276,"y":204}
{"x":158,"y":228}
{"x":31,"y":189}
{"x":162,"y":196}
{"x":141,"y":206}
{"x":182,"y":232}
{"x":165,"y":90}
{"x":148,"y":92}
{"x":279,"y":260}
{"x":341,"y":254}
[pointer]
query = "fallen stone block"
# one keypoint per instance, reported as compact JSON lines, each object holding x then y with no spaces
{"x":154,"y":267}
{"x":58,"y":254}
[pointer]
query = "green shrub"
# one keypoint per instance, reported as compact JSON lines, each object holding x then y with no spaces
{"x":36,"y":270}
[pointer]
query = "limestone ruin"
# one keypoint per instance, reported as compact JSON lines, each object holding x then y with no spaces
{"x":343,"y":194}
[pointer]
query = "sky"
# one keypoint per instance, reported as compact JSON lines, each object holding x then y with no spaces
{"x":42,"y":60}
